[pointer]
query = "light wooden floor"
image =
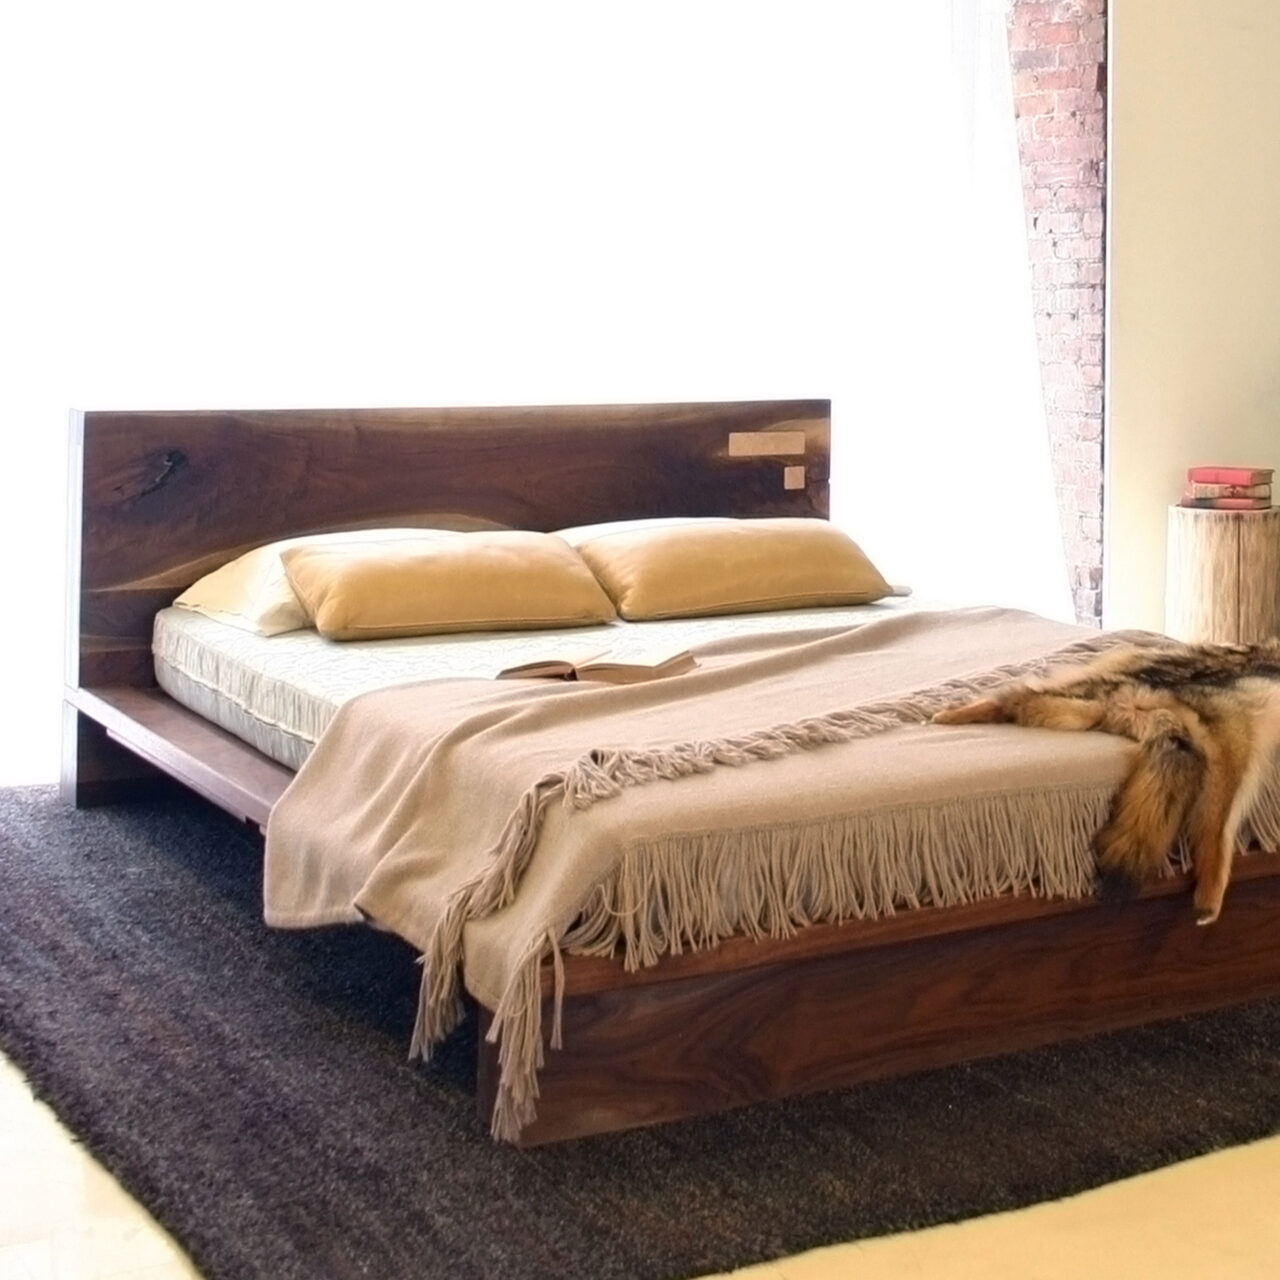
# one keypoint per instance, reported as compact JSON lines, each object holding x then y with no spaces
{"x":63,"y":1218}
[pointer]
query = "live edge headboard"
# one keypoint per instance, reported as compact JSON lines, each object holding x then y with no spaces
{"x":159,"y":498}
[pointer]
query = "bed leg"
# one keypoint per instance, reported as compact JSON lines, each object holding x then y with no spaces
{"x":96,"y":769}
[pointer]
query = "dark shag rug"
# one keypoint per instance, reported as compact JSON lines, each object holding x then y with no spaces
{"x":251,"y":1088}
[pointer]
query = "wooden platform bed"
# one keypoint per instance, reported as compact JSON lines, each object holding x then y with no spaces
{"x":158,"y":499}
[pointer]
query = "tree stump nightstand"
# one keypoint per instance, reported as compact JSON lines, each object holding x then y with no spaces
{"x":1223,"y":575}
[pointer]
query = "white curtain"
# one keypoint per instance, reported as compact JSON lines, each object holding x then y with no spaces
{"x":287,"y":204}
{"x":944,"y":466}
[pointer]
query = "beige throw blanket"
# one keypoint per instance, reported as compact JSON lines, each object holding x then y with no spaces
{"x":491,"y":823}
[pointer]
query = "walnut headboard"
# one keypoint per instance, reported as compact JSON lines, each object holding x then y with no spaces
{"x":159,"y":498}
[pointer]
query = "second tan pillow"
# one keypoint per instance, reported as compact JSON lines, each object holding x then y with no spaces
{"x":700,"y":567}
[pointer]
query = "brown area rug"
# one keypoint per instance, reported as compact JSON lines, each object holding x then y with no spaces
{"x":251,"y":1088}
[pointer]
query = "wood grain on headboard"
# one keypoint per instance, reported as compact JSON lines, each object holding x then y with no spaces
{"x":159,"y":498}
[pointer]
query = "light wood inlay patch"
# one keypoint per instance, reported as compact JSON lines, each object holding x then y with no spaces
{"x":765,"y":444}
{"x":793,"y":477}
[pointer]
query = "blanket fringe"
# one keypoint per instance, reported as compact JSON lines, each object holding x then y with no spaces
{"x":494,"y":887}
{"x":700,"y":889}
{"x":517,"y":1031}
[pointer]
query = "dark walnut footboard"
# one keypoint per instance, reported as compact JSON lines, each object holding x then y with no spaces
{"x":836,"y":1006}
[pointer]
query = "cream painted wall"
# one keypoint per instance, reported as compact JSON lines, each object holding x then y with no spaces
{"x":1194,"y":269}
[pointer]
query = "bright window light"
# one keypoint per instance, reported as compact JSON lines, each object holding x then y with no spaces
{"x":286,"y":205}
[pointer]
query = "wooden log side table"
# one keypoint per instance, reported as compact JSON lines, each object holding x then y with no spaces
{"x":1223,"y":575}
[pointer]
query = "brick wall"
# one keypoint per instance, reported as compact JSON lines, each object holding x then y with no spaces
{"x":1058,"y":54}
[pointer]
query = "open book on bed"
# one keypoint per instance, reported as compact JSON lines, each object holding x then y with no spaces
{"x":608,"y":665}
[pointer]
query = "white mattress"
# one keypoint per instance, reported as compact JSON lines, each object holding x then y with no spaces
{"x":279,"y":692}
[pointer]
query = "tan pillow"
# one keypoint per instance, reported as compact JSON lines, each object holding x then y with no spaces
{"x":468,"y":582}
{"x":698,"y":567}
{"x":252,"y":592}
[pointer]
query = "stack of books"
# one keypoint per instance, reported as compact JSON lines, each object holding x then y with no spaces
{"x":1228,"y":488}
